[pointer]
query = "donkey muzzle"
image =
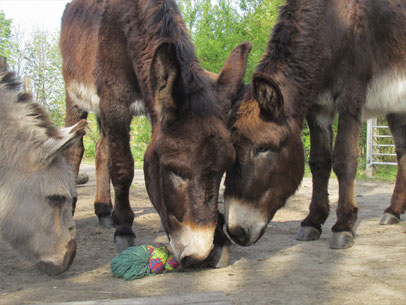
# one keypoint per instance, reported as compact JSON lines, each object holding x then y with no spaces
{"x":53,"y":269}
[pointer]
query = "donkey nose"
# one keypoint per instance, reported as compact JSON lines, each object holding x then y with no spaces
{"x":190,"y":261}
{"x":239,"y":235}
{"x":53,"y":269}
{"x":246,"y":236}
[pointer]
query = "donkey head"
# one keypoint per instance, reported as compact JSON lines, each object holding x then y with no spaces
{"x":190,"y":149}
{"x":269,"y":161}
{"x":37,"y":187}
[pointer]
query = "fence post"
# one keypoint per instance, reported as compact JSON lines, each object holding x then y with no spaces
{"x":370,"y":142}
{"x":27,"y":84}
{"x":3,"y":64}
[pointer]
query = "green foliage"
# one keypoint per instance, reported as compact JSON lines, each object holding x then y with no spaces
{"x":384,"y":172}
{"x":43,"y":63}
{"x":36,"y":56}
{"x":216,"y":27}
{"x":213,"y":38}
{"x":16,"y":49}
{"x":219,"y":26}
{"x":5,"y":32}
{"x":140,"y":138}
{"x":91,"y":137}
{"x":306,"y":140}
{"x":259,"y":18}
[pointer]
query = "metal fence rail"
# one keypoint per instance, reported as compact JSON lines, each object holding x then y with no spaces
{"x":376,"y":150}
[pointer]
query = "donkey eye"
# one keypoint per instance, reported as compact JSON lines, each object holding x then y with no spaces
{"x":56,"y":200}
{"x":178,"y":176}
{"x":262,"y":150}
{"x":178,"y":181}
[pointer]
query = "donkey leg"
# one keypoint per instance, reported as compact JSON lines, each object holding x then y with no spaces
{"x":345,"y":166}
{"x":121,"y":169}
{"x":73,"y":115}
{"x":397,"y":124}
{"x":102,"y":199}
{"x":321,"y":138}
{"x":74,"y":154}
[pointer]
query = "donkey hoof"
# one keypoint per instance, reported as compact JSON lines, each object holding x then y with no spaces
{"x":219,"y":256}
{"x":389,"y":219}
{"x":307,"y":233}
{"x":342,"y":240}
{"x":106,"y":222}
{"x":82,"y":179}
{"x":123,"y":242}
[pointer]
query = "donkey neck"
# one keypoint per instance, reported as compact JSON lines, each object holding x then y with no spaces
{"x":145,"y":26}
{"x":295,"y":55}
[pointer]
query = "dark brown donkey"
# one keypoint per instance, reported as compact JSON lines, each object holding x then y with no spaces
{"x":121,"y":57}
{"x":324,"y":58}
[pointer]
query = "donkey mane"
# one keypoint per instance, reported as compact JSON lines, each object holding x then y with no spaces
{"x":33,"y":111}
{"x":278,"y":45}
{"x":298,"y":62}
{"x":164,"y":23}
{"x":26,"y":124}
{"x":9,"y":81}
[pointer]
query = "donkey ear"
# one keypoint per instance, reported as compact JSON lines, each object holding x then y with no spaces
{"x":268,"y":95}
{"x":65,"y":139}
{"x":165,"y":80}
{"x":232,"y":74}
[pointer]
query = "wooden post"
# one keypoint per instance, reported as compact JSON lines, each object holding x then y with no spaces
{"x":27,"y":84}
{"x":3,"y":64}
{"x":201,"y":298}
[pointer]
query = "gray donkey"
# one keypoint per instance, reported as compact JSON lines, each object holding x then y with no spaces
{"x":37,"y":186}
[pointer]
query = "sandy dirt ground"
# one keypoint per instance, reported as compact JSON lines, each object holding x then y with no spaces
{"x":276,"y":270}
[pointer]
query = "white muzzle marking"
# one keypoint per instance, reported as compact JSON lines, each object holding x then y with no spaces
{"x":241,"y":214}
{"x":196,"y":242}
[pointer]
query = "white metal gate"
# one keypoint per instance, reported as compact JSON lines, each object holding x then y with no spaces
{"x":380,"y":145}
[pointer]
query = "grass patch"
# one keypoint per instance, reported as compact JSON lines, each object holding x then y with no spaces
{"x":379,"y":173}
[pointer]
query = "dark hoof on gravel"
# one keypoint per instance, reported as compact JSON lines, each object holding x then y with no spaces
{"x":106,"y":222}
{"x":307,"y":233}
{"x":123,"y":242}
{"x":342,"y":240}
{"x":219,"y":256}
{"x":389,"y":219}
{"x":82,"y":179}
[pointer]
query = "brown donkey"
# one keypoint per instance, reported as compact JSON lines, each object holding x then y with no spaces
{"x":124,"y":57}
{"x":37,"y":186}
{"x":323,"y":58}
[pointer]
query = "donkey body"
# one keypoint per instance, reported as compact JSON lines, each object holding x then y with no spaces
{"x":37,"y":186}
{"x":324,"y":58}
{"x":127,"y":57}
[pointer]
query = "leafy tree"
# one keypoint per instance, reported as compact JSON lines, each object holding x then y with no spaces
{"x":218,"y":27}
{"x":189,"y":9}
{"x":5,"y":31}
{"x":43,"y":63}
{"x":259,"y":16}
{"x":16,"y":49}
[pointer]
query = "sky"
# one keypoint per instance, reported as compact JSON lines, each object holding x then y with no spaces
{"x":45,"y":14}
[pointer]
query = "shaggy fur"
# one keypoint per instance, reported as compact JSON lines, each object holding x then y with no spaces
{"x":126,"y":55}
{"x":323,"y":58}
{"x":37,"y":187}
